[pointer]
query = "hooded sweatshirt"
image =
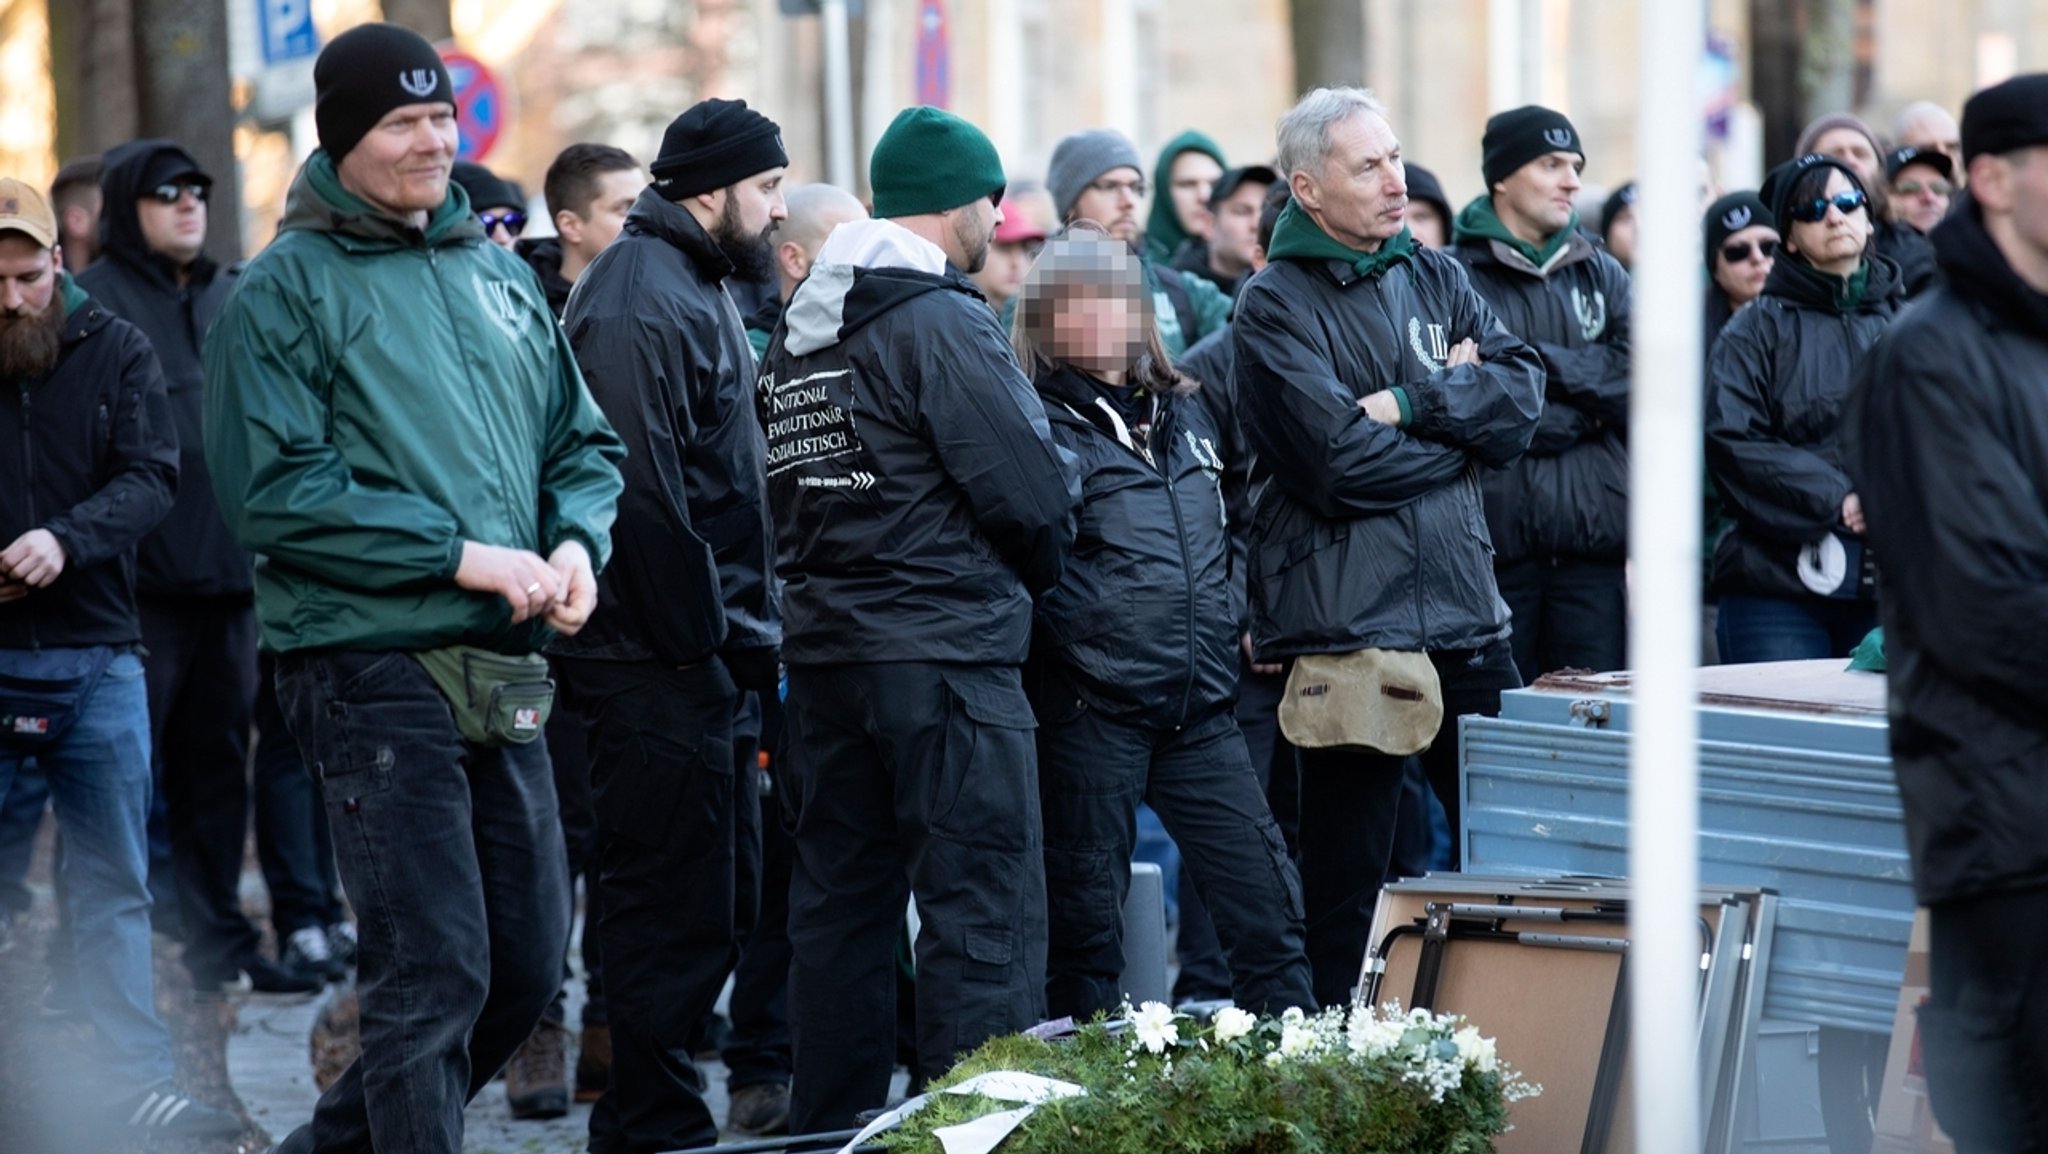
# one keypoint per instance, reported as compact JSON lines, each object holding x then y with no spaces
{"x":1163,"y":232}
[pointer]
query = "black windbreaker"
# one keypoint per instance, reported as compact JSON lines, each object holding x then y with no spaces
{"x":665,"y":355}
{"x":191,"y":553}
{"x":1365,"y":535}
{"x":1946,"y":435}
{"x":919,"y":496}
{"x":90,"y":454}
{"x":1211,"y":364}
{"x":1776,"y":379}
{"x":544,"y":256}
{"x":1143,"y":623}
{"x":1904,"y":246}
{"x":1568,"y":495}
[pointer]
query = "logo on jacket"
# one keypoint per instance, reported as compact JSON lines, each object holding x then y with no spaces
{"x":1592,"y":314}
{"x":1737,"y":218}
{"x":504,"y":305}
{"x":419,"y":82}
{"x":1435,"y":352}
{"x":1558,"y":137}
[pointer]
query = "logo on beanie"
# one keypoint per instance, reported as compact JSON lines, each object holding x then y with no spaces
{"x":420,"y":82}
{"x":1737,"y":218}
{"x":1558,"y":137}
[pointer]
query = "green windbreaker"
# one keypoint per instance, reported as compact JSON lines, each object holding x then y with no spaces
{"x":376,"y":396}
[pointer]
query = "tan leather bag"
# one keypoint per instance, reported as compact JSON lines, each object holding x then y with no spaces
{"x":1382,"y":700}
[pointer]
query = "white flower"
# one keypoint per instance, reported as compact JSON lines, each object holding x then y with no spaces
{"x":1273,"y":1059}
{"x":1298,"y":1040}
{"x":1371,"y":1036}
{"x":1153,"y":1024}
{"x":1476,"y":1051}
{"x":1233,"y":1023}
{"x":1292,"y":1015}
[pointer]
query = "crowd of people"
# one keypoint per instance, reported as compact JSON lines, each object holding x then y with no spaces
{"x":777,"y":564}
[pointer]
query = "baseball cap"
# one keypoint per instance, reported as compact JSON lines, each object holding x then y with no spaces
{"x":1017,"y":226}
{"x":24,"y":209}
{"x":1899,"y":158}
{"x":1227,"y":185}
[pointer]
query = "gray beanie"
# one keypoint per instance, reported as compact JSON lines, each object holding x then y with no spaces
{"x":1077,"y":160}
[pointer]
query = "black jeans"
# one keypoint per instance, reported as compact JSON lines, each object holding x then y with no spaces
{"x":1984,"y":1028}
{"x":661,"y":761}
{"x":293,"y":842}
{"x":200,"y":662}
{"x":759,"y":1052}
{"x":1569,"y":613}
{"x":1093,"y":771}
{"x":908,"y":777}
{"x":1350,"y":807}
{"x":452,"y":856}
{"x":568,"y":739}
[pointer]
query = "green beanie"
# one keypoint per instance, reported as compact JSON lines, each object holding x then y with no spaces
{"x":931,"y":160}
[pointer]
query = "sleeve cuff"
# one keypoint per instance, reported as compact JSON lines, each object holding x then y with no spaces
{"x":1407,"y":409}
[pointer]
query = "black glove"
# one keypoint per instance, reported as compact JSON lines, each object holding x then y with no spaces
{"x":758,"y":669}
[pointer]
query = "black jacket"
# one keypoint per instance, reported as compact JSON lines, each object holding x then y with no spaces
{"x":191,"y":553}
{"x":1905,"y":247}
{"x":1776,"y":379}
{"x":1143,"y":623}
{"x":1946,"y":435}
{"x":1365,"y":535}
{"x":665,"y":356}
{"x":919,"y":497}
{"x":1568,"y":495}
{"x":1212,"y":364}
{"x":544,"y":256}
{"x":90,"y":454}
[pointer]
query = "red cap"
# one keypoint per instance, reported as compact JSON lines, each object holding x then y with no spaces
{"x":1017,"y":226}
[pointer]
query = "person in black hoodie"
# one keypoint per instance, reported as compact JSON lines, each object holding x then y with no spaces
{"x":1558,"y":516}
{"x":1135,"y":650}
{"x":194,"y":584}
{"x":589,"y":189}
{"x":1946,"y":436}
{"x":90,"y":467}
{"x":687,"y":621}
{"x":1792,"y":574}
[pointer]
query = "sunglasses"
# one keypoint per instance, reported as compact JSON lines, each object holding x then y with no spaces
{"x":1916,"y":187}
{"x":1817,"y":209}
{"x":1738,"y":251}
{"x":513,"y":220}
{"x":171,"y":193}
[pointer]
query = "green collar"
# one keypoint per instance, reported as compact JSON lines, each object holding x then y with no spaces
{"x":73,"y":296}
{"x":1297,"y":237}
{"x":1479,"y":221}
{"x":319,"y":202}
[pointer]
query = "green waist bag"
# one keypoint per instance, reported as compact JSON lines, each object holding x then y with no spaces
{"x":497,"y":699}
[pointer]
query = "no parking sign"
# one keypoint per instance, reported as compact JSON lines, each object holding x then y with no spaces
{"x":479,"y":104}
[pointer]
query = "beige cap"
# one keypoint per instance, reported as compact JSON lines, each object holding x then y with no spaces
{"x":24,"y":209}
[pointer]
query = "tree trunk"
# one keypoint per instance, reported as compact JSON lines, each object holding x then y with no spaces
{"x":1778,"y":62}
{"x":92,"y":57}
{"x":1329,"y":42}
{"x":429,"y":18}
{"x":182,"y":50}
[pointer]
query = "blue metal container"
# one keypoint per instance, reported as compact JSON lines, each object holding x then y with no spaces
{"x":1796,"y":795}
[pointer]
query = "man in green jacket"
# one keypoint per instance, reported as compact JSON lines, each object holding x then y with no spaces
{"x":397,"y":427}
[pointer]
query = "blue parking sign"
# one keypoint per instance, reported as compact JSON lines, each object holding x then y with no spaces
{"x":287,"y":30}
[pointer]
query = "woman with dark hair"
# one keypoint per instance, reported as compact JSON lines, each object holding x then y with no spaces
{"x":1848,"y":139}
{"x":1792,"y":574}
{"x":1135,"y":651}
{"x":1742,"y":245}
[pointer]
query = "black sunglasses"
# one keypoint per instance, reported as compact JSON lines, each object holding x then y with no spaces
{"x":1735,"y":252}
{"x":513,"y":220}
{"x":169,"y":193}
{"x":1817,"y":209}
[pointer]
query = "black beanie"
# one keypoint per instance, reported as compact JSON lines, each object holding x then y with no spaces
{"x":715,"y":144}
{"x":1424,"y":186}
{"x":1518,"y":136}
{"x":1620,"y":198}
{"x":1778,"y":183}
{"x":366,"y":72}
{"x":1730,"y":215}
{"x":486,"y":189}
{"x":2006,"y":116}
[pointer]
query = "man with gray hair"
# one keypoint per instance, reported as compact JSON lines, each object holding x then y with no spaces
{"x":1374,"y":384}
{"x":814,"y":211}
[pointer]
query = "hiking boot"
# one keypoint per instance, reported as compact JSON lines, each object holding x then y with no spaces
{"x":164,"y":1110}
{"x":593,"y":1063}
{"x":258,"y":975}
{"x":537,"y":1077}
{"x":759,"y":1110}
{"x":307,"y":952}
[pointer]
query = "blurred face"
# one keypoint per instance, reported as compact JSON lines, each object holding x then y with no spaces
{"x":973,"y":231}
{"x":1096,"y":332}
{"x":1743,"y":263}
{"x":401,"y":166}
{"x":2013,"y":188}
{"x":173,"y":219}
{"x":1427,"y":224}
{"x":1535,"y":201}
{"x":1849,"y":145}
{"x":1834,"y":243}
{"x":1234,"y":244}
{"x":1920,"y":196}
{"x":1621,"y":236}
{"x":601,"y":223}
{"x":1002,"y":277}
{"x":1360,"y":197}
{"x":1111,"y":200}
{"x":1193,"y":175}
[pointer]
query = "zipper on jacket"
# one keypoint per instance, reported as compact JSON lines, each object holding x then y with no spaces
{"x":505,"y":489}
{"x":1187,"y":563}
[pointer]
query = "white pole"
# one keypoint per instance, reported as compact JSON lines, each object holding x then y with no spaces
{"x":1005,"y":78}
{"x":838,"y":96}
{"x":1664,"y":534}
{"x":1503,"y":54}
{"x":878,"y":76}
{"x":1120,"y":67}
